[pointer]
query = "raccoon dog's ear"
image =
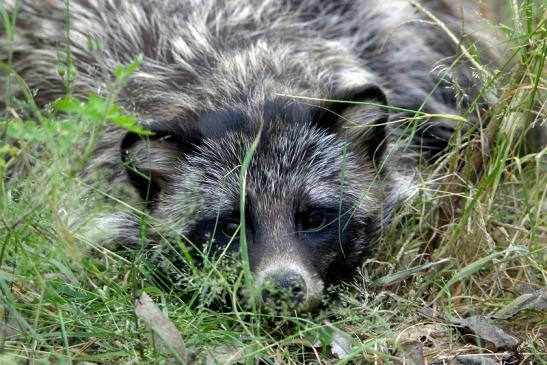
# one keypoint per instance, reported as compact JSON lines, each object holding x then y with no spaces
{"x":150,"y":161}
{"x":360,"y":114}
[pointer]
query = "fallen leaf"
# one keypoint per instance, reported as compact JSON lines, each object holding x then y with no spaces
{"x":523,"y":288}
{"x":429,"y":334}
{"x":536,"y":301}
{"x":10,"y":328}
{"x":224,"y":355}
{"x":474,"y":359}
{"x":341,"y":343}
{"x":496,"y":338}
{"x":147,"y":311}
{"x":338,"y":341}
{"x":413,"y":351}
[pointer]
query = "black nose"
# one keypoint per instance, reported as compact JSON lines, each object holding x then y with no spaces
{"x":283,"y":289}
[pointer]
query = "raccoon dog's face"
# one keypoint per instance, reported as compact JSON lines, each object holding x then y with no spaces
{"x":313,"y":192}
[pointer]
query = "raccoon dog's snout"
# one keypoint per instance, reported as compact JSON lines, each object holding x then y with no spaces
{"x":280,"y":284}
{"x":287,"y":287}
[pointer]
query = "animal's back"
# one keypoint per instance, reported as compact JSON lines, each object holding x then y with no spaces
{"x":195,"y":50}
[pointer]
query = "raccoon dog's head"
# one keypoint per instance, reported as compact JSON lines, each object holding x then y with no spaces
{"x":314,"y":194}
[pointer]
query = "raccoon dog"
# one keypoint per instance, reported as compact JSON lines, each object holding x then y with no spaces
{"x":219,"y":77}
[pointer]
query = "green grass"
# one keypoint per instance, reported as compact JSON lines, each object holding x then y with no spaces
{"x":63,"y":299}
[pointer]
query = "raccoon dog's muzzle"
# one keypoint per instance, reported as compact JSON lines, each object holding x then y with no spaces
{"x":289,"y":285}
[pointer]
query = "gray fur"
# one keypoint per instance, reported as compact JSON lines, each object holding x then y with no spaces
{"x":204,"y":59}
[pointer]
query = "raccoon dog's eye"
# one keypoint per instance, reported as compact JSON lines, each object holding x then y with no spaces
{"x":229,"y":229}
{"x":313,"y":221}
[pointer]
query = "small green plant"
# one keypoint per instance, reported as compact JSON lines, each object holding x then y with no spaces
{"x":97,"y":109}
